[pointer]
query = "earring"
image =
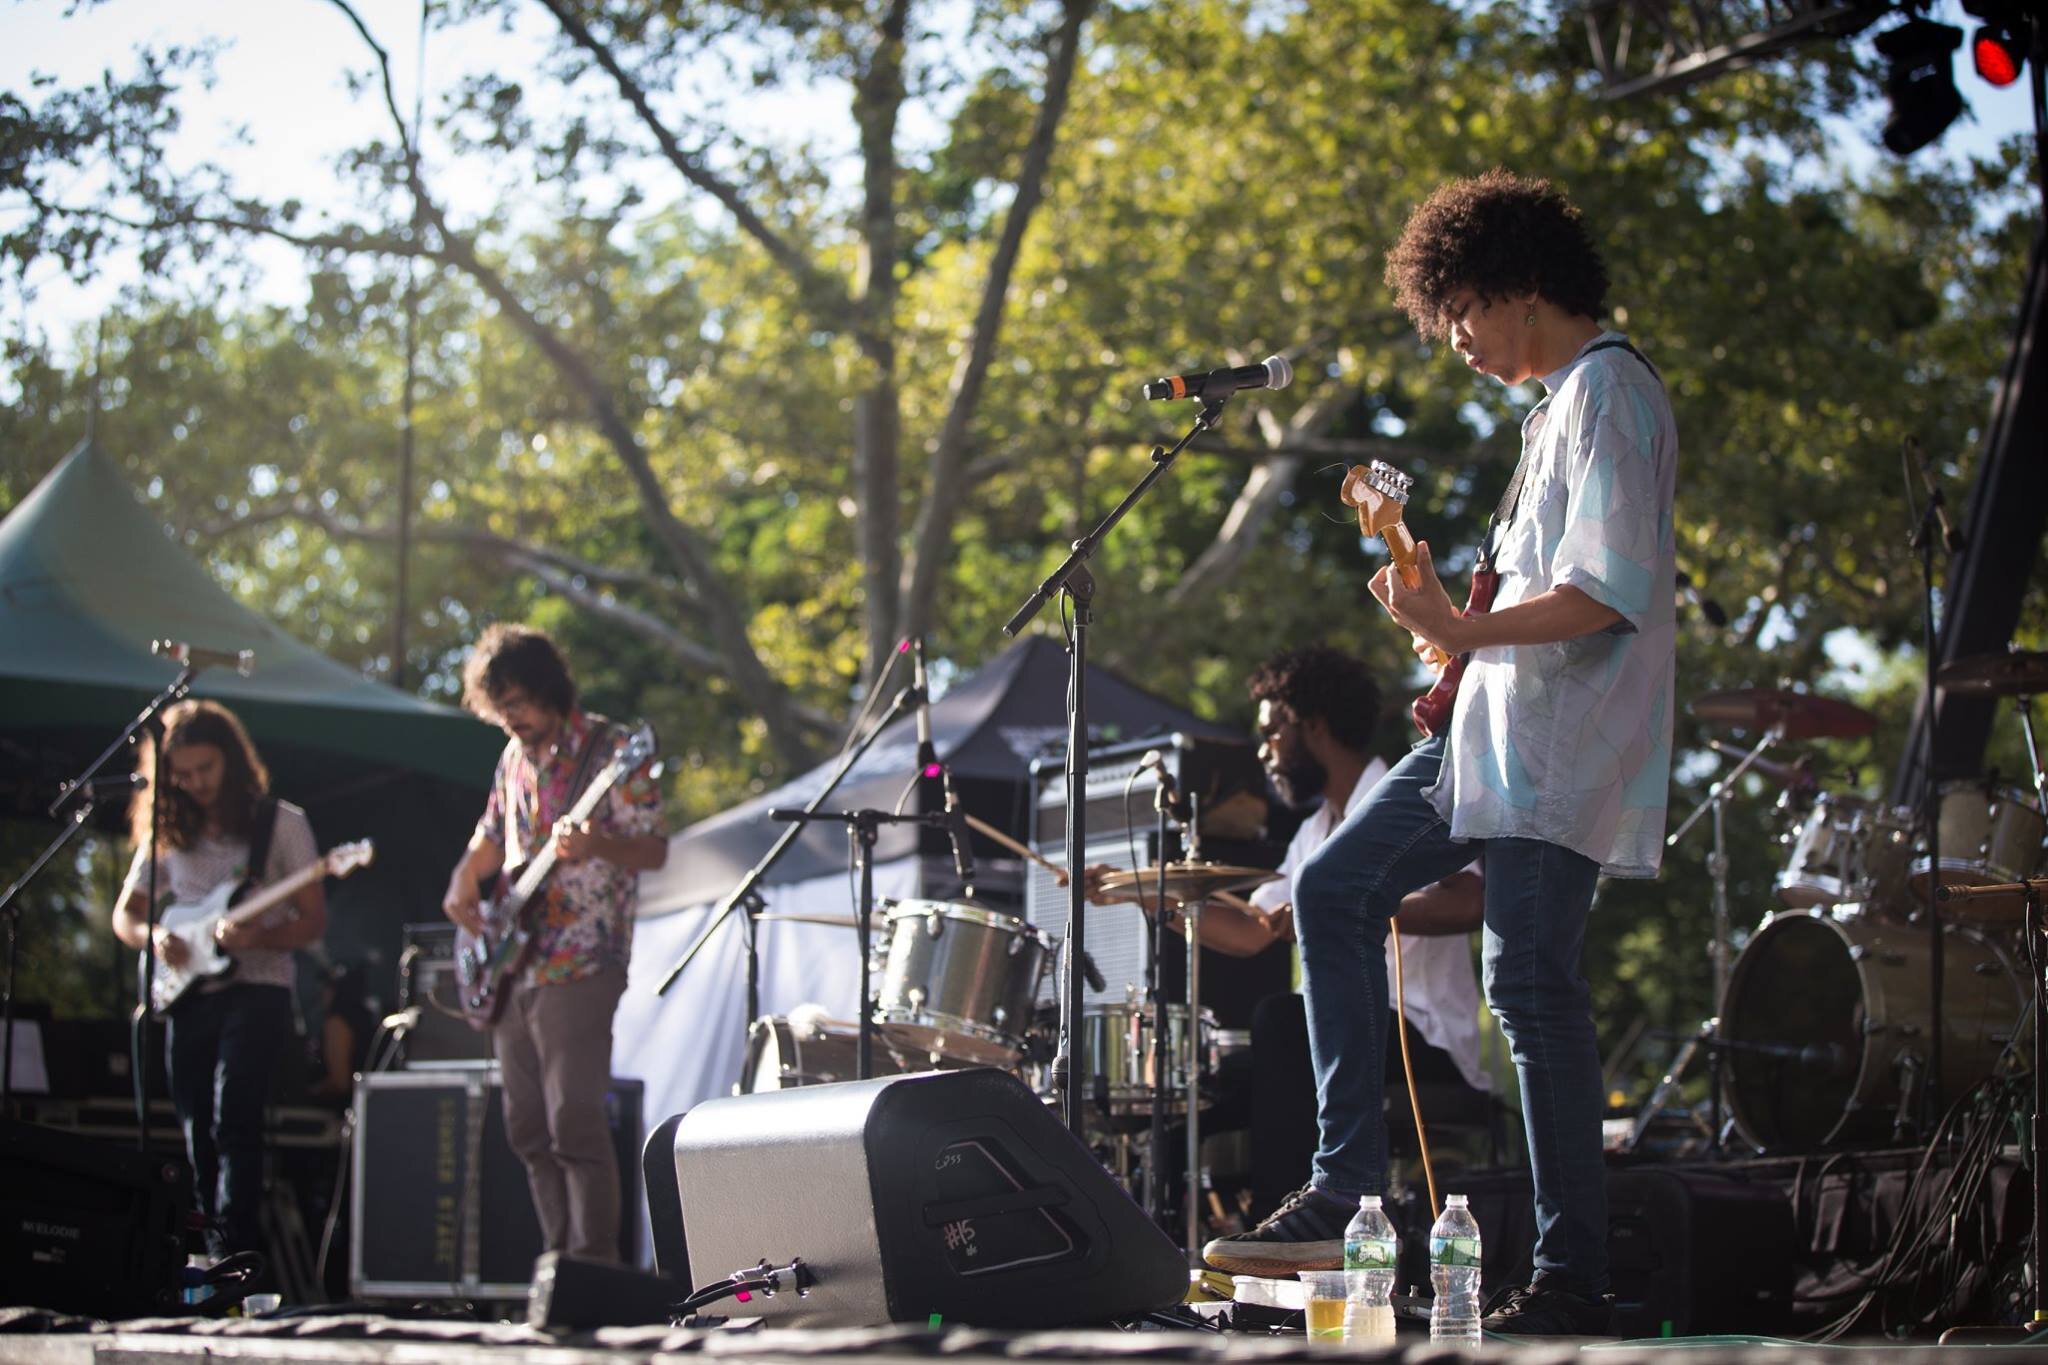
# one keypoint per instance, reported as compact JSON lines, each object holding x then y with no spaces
{"x":1530,"y":321}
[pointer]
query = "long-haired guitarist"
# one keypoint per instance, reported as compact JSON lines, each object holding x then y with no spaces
{"x":553,"y":1034}
{"x":1555,"y":760}
{"x":217,"y":827}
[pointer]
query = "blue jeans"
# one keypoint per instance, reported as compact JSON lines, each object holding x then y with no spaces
{"x":222,"y":1048}
{"x":1537,"y":898}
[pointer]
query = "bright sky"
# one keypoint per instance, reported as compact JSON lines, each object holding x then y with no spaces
{"x":282,"y":76}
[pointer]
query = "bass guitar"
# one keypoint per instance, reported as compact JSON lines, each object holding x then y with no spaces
{"x":1380,"y":492}
{"x":197,"y":921}
{"x":487,"y":963}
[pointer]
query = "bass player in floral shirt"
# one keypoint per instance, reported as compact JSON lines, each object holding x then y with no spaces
{"x":554,"y":1039}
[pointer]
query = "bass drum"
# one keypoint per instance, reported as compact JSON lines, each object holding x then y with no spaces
{"x":1826,"y":1020}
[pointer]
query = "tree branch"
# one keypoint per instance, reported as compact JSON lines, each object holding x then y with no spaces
{"x":931,"y":537}
{"x":823,"y":293}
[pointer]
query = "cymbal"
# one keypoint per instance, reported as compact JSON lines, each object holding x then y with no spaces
{"x":1186,"y":882}
{"x":812,"y":917}
{"x":1801,"y":714}
{"x":2022,"y":673}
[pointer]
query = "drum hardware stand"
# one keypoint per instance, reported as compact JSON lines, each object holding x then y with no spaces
{"x":746,"y":897}
{"x":863,"y":830}
{"x":1072,"y":580}
{"x":1717,"y":872}
{"x":1929,"y":520}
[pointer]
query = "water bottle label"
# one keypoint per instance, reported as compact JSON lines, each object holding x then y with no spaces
{"x":1361,"y":1253}
{"x":1454,"y":1251}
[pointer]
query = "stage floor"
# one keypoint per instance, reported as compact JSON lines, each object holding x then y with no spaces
{"x":30,"y":1338}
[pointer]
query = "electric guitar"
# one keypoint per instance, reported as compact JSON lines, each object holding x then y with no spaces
{"x":196,"y":921}
{"x":487,"y":964}
{"x":1379,"y":492}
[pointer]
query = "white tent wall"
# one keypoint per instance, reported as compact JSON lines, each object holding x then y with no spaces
{"x":691,"y":1044}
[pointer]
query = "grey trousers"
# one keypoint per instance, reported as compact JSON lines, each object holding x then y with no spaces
{"x":554,"y":1047}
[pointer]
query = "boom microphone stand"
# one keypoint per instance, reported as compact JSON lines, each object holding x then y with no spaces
{"x":1073,"y":580}
{"x":747,"y":896}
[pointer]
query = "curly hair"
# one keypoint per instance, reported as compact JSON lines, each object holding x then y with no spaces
{"x":1499,"y":235}
{"x":508,"y":656}
{"x":244,"y":780}
{"x":1326,"y":682}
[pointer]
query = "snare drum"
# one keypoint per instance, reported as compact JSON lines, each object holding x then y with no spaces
{"x":958,"y":981}
{"x":1989,"y":835}
{"x":1116,"y":1041}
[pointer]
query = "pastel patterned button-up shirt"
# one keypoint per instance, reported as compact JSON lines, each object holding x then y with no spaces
{"x":586,"y":921}
{"x":1571,"y":742}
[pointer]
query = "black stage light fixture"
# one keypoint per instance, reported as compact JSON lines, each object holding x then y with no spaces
{"x":1999,"y":48}
{"x":1921,"y":84}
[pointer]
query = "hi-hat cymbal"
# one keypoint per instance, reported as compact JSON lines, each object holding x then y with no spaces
{"x":2022,"y":673}
{"x":1801,"y":715}
{"x":1187,"y":882}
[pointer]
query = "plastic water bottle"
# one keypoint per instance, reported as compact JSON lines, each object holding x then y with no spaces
{"x":1370,"y":1252}
{"x":1454,"y":1273}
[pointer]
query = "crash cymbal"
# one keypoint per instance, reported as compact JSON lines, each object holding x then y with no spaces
{"x":1801,"y":715}
{"x":1188,"y":882}
{"x":811,"y":917}
{"x":2022,"y":673}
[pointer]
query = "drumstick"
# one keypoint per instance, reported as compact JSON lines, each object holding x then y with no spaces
{"x":1233,"y":901}
{"x":976,"y":822}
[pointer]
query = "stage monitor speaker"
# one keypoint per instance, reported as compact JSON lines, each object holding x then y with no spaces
{"x":947,"y":1194}
{"x":87,"y":1227}
{"x":439,"y":1201}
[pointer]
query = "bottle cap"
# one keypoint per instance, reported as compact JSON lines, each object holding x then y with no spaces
{"x":1454,"y":1201}
{"x":1368,"y":1201}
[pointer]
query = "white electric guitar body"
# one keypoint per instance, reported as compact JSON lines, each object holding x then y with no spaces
{"x":196,"y":921}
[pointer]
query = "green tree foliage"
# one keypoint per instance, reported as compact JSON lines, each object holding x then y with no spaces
{"x":874,"y":403}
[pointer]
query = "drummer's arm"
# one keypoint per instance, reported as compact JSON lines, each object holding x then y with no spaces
{"x":1455,"y":905}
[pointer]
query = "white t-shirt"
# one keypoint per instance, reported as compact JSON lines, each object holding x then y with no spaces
{"x":186,"y":874}
{"x":1439,"y":992}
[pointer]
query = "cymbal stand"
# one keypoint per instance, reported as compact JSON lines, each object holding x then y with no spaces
{"x":2025,"y":702}
{"x":1072,"y":581}
{"x":863,"y":831}
{"x":1717,"y":872}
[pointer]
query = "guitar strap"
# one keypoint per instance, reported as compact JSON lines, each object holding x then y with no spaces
{"x":601,"y":731}
{"x":1504,"y":511}
{"x":262,"y":826}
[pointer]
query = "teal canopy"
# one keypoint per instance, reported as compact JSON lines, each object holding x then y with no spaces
{"x":89,"y":577}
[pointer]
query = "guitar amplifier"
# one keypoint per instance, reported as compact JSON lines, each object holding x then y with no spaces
{"x":438,"y":1201}
{"x":1238,"y":822}
{"x":426,"y":981}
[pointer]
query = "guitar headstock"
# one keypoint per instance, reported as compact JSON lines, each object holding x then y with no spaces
{"x":1379,"y":492}
{"x":634,"y":750}
{"x":343,"y":859}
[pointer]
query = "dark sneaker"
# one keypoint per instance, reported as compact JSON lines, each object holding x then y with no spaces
{"x":1305,"y":1233}
{"x":1540,"y":1312}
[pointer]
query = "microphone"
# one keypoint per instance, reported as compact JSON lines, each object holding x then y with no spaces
{"x":1716,"y":614}
{"x":1273,"y":373}
{"x":1951,"y":538}
{"x":1167,"y":791}
{"x":243,"y":661}
{"x":929,"y":768}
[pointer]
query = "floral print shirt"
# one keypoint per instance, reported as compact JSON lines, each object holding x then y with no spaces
{"x":585,"y":921}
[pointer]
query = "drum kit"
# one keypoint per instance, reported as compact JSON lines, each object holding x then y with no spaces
{"x":959,"y":986}
{"x":1825,"y":1018}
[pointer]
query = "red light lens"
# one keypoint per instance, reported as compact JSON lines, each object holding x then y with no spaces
{"x":1996,"y":56}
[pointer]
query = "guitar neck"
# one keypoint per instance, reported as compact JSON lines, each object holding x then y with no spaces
{"x":1401,"y":546}
{"x":278,"y":891}
{"x":537,"y":871}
